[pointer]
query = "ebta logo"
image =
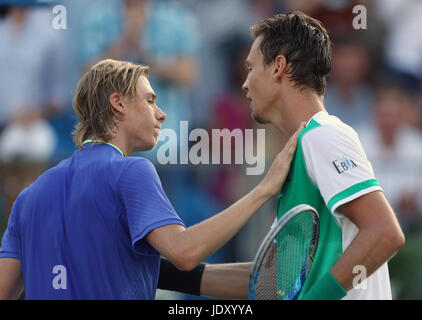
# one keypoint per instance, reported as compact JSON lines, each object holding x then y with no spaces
{"x":344,"y":165}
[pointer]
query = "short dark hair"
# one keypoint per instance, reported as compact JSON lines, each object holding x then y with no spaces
{"x":303,"y":41}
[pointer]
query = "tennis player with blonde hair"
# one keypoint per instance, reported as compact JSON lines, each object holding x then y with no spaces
{"x":94,"y":226}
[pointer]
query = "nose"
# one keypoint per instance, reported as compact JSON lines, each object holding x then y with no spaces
{"x":160,"y":115}
{"x":245,"y":85}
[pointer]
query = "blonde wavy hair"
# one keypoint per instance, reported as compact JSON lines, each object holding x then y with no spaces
{"x":97,"y":118}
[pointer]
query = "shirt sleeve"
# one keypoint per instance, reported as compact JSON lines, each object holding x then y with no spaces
{"x":145,"y":202}
{"x":337,"y":165}
{"x":10,"y":242}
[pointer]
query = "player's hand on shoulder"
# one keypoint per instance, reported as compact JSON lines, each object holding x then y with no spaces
{"x":276,"y":175}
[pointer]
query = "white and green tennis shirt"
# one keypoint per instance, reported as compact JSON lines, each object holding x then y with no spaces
{"x":329,"y":169}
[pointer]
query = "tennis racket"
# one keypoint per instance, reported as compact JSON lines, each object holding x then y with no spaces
{"x":285,"y":256}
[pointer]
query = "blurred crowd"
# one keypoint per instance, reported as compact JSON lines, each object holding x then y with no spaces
{"x":196,"y":50}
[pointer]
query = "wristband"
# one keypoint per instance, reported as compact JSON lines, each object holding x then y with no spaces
{"x":171,"y":278}
{"x":326,"y":288}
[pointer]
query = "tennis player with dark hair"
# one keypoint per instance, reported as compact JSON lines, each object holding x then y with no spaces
{"x":288,"y":63}
{"x":94,"y":226}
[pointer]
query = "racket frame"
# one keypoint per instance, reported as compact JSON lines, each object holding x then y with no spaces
{"x":269,"y":238}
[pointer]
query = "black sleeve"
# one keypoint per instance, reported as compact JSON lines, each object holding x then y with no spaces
{"x":171,"y":278}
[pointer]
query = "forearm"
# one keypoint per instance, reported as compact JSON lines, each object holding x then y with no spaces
{"x":201,"y":240}
{"x":378,"y":239}
{"x":11,"y":281}
{"x":17,"y":292}
{"x":370,"y":249}
{"x":12,"y":294}
{"x":187,"y":247}
{"x":173,"y":279}
{"x":226,"y":281}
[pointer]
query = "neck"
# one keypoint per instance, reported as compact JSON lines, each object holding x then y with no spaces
{"x":122,"y":144}
{"x":291,"y":111}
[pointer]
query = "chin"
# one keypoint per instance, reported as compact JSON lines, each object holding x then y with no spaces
{"x":151,"y":146}
{"x":147,"y":146}
{"x":258,"y":119}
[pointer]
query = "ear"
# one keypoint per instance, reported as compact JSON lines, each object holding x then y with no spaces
{"x":279,"y":68}
{"x":116,"y":101}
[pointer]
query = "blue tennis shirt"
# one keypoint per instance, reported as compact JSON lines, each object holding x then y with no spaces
{"x":79,"y":230}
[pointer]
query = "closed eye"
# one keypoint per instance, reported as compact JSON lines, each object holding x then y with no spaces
{"x":152,"y":99}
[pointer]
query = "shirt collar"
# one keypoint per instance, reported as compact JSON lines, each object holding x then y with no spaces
{"x":102,"y":142}
{"x":317,"y":115}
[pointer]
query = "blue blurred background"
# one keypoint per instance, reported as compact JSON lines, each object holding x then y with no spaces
{"x":196,"y":50}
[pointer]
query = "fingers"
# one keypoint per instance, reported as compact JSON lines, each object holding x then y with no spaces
{"x":291,"y":144}
{"x":301,"y":127}
{"x":279,"y":169}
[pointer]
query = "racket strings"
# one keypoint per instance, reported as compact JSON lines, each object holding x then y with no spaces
{"x":287,"y":260}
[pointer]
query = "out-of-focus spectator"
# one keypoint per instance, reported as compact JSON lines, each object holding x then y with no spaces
{"x":338,"y":17}
{"x":161,"y":34}
{"x":306,"y":6}
{"x":403,"y":43}
{"x":218,"y":21}
{"x":31,"y":90}
{"x":231,"y":111}
{"x":349,"y":95}
{"x":395,"y":150}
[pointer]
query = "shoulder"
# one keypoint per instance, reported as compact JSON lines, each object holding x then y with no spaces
{"x":327,"y":136}
{"x":138,"y":164}
{"x":330,"y":146}
{"x":137,"y":169}
{"x":48,"y":180}
{"x":328,"y":129}
{"x":336,"y":161}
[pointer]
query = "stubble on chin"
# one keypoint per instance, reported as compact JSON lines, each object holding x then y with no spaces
{"x":257,"y":118}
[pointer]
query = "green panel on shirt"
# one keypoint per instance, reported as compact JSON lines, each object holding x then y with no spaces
{"x":299,"y":189}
